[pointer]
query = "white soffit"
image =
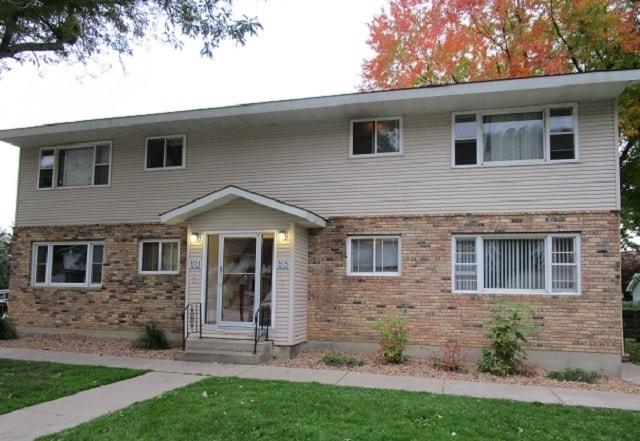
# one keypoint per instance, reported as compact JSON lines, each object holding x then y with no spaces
{"x":447,"y":98}
{"x":224,"y":196}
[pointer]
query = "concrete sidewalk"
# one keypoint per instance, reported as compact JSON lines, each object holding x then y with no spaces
{"x":45,"y":418}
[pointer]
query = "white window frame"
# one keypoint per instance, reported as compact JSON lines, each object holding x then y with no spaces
{"x":160,"y":251}
{"x":546,"y":137}
{"x":49,"y":264}
{"x":165,"y":137}
{"x":479,"y":247}
{"x":55,"y":169}
{"x":374,"y":272}
{"x":375,"y":121}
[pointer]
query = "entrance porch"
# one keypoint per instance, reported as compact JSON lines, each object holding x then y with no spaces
{"x":246,"y":253}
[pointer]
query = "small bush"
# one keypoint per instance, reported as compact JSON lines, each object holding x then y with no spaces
{"x":393,"y":331}
{"x":151,"y":337}
{"x":507,"y":335}
{"x":7,"y":329}
{"x":337,"y":359}
{"x":574,"y":375}
{"x":450,"y":358}
{"x":333,"y":359}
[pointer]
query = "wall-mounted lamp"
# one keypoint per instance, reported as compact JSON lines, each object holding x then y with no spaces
{"x":283,"y":235}
{"x":195,"y":237}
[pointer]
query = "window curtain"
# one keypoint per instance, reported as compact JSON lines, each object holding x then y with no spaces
{"x":513,"y":137}
{"x":76,"y":167}
{"x":514,"y":264}
{"x":386,"y":255}
{"x":362,"y":255}
{"x":466,"y":265}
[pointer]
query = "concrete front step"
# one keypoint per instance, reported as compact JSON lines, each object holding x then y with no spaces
{"x":211,"y":350}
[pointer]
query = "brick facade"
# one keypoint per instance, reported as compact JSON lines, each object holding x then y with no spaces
{"x":341,"y":308}
{"x":126,"y":299}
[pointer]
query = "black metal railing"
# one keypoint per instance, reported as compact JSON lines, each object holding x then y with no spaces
{"x":262,"y":320}
{"x":191,"y":322}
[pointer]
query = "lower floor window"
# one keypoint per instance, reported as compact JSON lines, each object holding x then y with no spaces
{"x":545,"y":263}
{"x":378,"y":255}
{"x":159,"y":256}
{"x":67,"y":263}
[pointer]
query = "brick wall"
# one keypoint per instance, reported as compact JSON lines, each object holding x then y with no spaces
{"x":341,"y":307}
{"x":126,"y":299}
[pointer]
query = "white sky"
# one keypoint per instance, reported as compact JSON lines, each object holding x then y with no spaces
{"x":307,"y":48}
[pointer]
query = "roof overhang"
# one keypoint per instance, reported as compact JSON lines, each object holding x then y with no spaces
{"x":447,"y":98}
{"x":228,"y":194}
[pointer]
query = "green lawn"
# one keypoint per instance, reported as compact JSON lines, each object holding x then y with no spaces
{"x":241,"y":409}
{"x":25,"y":383}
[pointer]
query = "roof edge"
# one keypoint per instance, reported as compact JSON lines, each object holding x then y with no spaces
{"x":227,"y":194}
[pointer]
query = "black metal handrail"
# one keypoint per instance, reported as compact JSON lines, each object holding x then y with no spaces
{"x":262,"y":320}
{"x":191,"y":322}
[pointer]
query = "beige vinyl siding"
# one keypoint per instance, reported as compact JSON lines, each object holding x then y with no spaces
{"x":280,"y":332}
{"x":300,"y":259}
{"x":309,"y":166}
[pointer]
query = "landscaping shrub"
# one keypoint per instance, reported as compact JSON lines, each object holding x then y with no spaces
{"x":574,"y":375}
{"x":450,"y":358}
{"x":393,"y":331}
{"x":333,"y":359}
{"x":151,"y":337}
{"x":337,"y":359}
{"x":7,"y":329}
{"x":507,"y":335}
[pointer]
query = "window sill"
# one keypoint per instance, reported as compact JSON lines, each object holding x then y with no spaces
{"x":518,"y":293}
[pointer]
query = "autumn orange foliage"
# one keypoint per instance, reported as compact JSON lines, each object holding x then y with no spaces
{"x":427,"y":42}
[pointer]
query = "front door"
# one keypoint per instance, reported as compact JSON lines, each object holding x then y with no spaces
{"x":239,"y":277}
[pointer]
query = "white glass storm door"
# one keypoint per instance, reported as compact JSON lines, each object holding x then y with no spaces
{"x":239,"y":277}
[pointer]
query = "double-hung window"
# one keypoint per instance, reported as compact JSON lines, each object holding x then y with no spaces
{"x":517,"y":264}
{"x":165,"y":152}
{"x":374,"y":256}
{"x":376,"y":137}
{"x":159,"y":256}
{"x":81,"y":165}
{"x":531,"y":136}
{"x":68,"y":263}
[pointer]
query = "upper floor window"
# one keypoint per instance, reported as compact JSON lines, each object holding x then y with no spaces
{"x":517,"y":264}
{"x":534,"y":135}
{"x":160,"y":256}
{"x":165,"y":152}
{"x":67,"y":263}
{"x":75,"y":166}
{"x":374,"y":256}
{"x":376,"y":137}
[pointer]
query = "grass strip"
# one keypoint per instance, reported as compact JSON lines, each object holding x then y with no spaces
{"x":25,"y":383}
{"x":244,"y":409}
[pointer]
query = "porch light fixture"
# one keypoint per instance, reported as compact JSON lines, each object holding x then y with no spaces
{"x":283,"y":235}
{"x":195,"y":237}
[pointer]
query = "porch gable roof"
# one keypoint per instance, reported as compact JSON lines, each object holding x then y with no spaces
{"x":230,"y":193}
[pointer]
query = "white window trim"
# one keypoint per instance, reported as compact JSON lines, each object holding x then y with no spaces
{"x":56,"y":150}
{"x":165,"y":137}
{"x":50,"y":245}
{"x":378,"y":155}
{"x":177,"y":241}
{"x":479,"y":238}
{"x":546,"y":141}
{"x":374,"y":273}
